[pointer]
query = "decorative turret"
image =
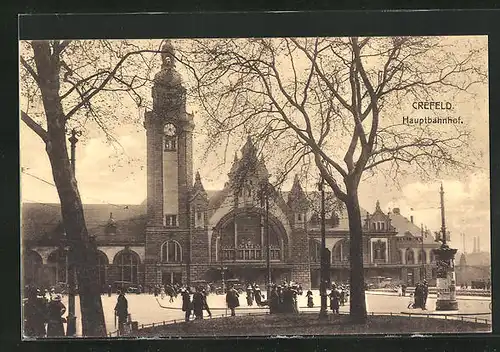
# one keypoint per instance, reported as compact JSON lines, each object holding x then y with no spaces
{"x":298,"y":203}
{"x":297,"y":199}
{"x":199,"y":202}
{"x":198,"y":189}
{"x":111,"y":225}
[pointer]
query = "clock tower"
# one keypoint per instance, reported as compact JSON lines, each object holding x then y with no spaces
{"x":169,"y":136}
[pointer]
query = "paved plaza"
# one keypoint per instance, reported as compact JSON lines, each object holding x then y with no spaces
{"x":145,"y":309}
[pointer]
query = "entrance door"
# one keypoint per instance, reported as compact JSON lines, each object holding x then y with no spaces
{"x":411,"y":279}
{"x":170,"y":278}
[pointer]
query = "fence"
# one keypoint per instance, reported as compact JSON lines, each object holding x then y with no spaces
{"x":465,"y":317}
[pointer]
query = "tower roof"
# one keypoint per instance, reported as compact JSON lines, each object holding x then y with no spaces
{"x":168,"y":76}
{"x":248,"y":166}
{"x":297,"y":199}
{"x":198,"y":187}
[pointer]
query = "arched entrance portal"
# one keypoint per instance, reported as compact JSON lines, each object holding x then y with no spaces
{"x":32,"y":265}
{"x":58,"y":263}
{"x":240,"y":246}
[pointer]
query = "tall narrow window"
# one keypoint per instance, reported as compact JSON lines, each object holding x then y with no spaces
{"x":170,"y":143}
{"x":170,"y":220}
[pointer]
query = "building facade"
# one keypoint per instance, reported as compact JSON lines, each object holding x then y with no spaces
{"x":184,"y":233}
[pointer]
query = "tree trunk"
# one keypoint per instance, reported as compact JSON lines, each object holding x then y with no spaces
{"x":83,"y":254}
{"x":357,"y":278}
{"x":82,"y":250}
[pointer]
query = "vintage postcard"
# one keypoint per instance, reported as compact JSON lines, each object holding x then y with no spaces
{"x":255,"y":186}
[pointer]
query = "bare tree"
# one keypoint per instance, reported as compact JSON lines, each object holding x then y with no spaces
{"x":86,"y":84}
{"x":338,"y":104}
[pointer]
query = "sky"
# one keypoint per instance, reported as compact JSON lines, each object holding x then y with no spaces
{"x":105,"y":176}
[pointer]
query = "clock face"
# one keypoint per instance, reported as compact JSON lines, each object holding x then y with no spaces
{"x":170,"y":129}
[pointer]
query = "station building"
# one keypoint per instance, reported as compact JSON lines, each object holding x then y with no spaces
{"x":183,"y":230}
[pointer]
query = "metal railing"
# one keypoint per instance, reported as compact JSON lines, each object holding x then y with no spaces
{"x":464,"y":317}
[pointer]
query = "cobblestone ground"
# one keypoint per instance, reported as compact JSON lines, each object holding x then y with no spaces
{"x":145,"y":309}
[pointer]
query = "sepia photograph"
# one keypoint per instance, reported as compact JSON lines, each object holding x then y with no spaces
{"x":218,"y":187}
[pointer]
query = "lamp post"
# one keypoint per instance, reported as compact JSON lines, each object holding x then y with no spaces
{"x":222,"y":269}
{"x":323,"y":274}
{"x":71,"y":326}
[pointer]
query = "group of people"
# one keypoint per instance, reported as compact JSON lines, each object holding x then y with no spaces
{"x":283,"y":298}
{"x":43,"y":316}
{"x":197,"y":305}
{"x":419,"y":299}
{"x":254,"y":294}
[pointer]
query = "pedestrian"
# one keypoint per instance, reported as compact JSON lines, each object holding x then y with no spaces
{"x":274,"y":300}
{"x":418,"y":296}
{"x":403,"y":290}
{"x":288,"y":301}
{"x":425,"y":294}
{"x":198,"y":303}
{"x":249,"y":297}
{"x":258,"y":295}
{"x":55,"y":311}
{"x":342,"y":295}
{"x":400,"y":291}
{"x":35,"y":314}
{"x":280,"y":299}
{"x":121,"y":311}
{"x":205,"y":303}
{"x":186,"y":303}
{"x":309,"y":296}
{"x":110,"y":290}
{"x":232,"y":300}
{"x":334,"y":299}
{"x":162,"y":292}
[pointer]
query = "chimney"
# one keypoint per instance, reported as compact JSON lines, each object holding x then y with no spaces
{"x":395,"y":210}
{"x":478,"y":247}
{"x":411,"y":218}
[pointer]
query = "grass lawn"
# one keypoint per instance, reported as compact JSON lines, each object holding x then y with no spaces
{"x":310,"y":324}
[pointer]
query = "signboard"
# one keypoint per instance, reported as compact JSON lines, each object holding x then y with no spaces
{"x":446,"y":287}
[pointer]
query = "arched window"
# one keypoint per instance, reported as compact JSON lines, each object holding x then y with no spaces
{"x":102,"y":261}
{"x":422,"y":256}
{"x":32,"y":264}
{"x":410,"y":257}
{"x":314,"y":251}
{"x":432,"y":256}
{"x":58,"y":261}
{"x":128,"y":265}
{"x":398,"y":257}
{"x":171,"y":252}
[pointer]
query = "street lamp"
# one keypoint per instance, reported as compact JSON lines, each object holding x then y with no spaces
{"x":222,"y":268}
{"x":71,"y":326}
{"x":323,"y":273}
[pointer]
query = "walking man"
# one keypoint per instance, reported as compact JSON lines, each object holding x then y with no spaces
{"x":121,"y":311}
{"x":186,"y":303}
{"x":334,"y":299}
{"x":109,"y":290}
{"x":55,"y":311}
{"x":232,"y":300}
